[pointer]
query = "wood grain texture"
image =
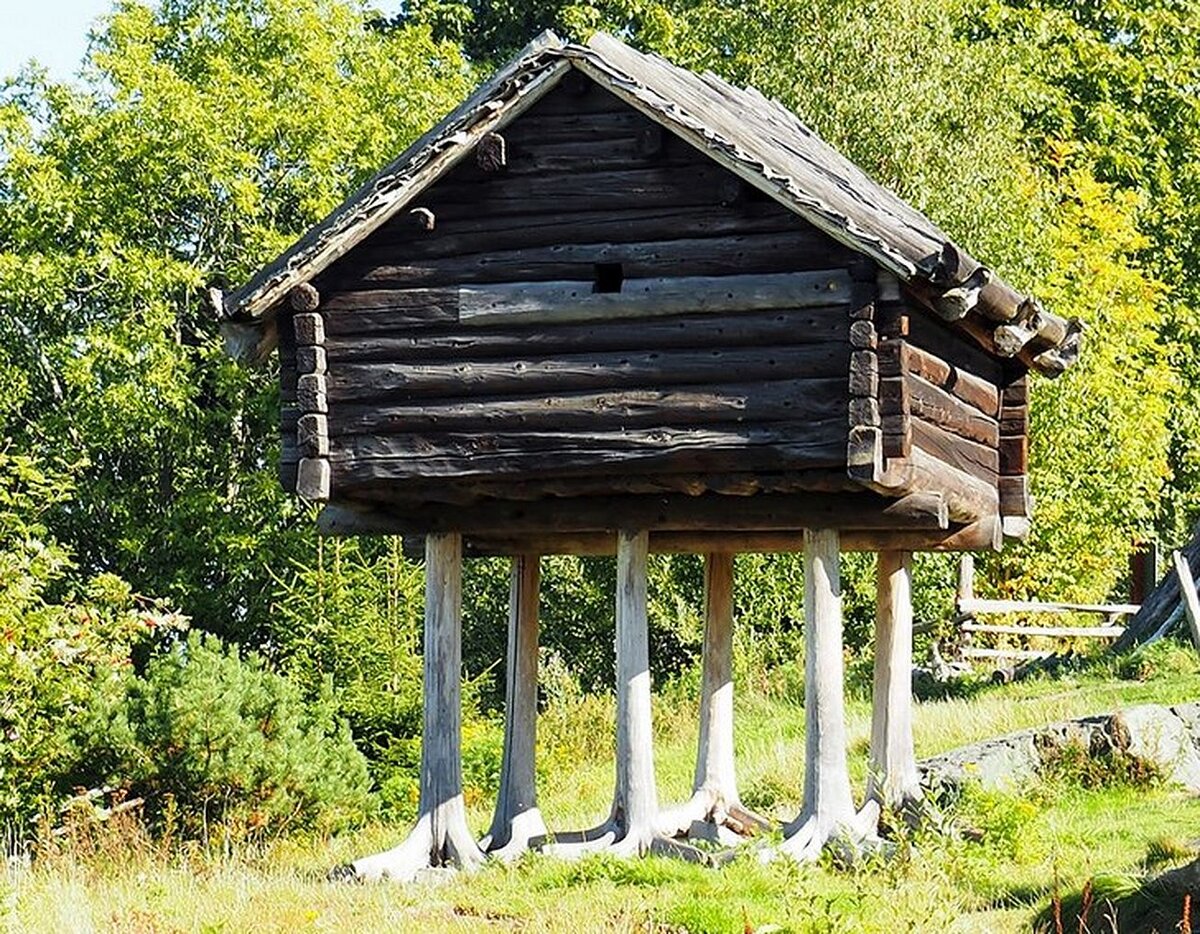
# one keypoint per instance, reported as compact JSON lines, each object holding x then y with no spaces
{"x":709,"y":512}
{"x":577,"y":372}
{"x":367,"y":459}
{"x":359,"y":339}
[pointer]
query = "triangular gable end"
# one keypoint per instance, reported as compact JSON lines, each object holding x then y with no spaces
{"x":750,"y":136}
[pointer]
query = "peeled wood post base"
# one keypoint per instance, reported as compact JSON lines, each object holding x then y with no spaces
{"x":828,"y":816}
{"x":517,"y":821}
{"x":441,"y":837}
{"x":715,"y":812}
{"x":632,"y":826}
{"x":892,"y":778}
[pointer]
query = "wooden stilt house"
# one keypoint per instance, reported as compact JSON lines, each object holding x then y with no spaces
{"x":608,"y":300}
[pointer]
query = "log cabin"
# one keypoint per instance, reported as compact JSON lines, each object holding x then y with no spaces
{"x":608,"y":305}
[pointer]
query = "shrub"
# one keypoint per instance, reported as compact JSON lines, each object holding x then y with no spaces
{"x":226,"y":739}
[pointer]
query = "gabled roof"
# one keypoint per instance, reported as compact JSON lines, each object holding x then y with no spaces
{"x":756,"y":138}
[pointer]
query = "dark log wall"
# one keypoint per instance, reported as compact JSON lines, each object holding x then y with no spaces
{"x":943,"y":394}
{"x":426,"y":392}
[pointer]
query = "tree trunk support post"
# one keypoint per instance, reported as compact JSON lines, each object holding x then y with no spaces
{"x":517,"y":822}
{"x":892,"y":778}
{"x":632,"y":828}
{"x":714,"y":812}
{"x":441,"y":837}
{"x":828,"y":814}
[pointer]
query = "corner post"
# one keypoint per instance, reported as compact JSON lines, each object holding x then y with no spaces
{"x":441,"y":836}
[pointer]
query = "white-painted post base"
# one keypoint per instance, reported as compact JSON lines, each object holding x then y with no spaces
{"x":441,"y":837}
{"x":715,"y":812}
{"x":632,"y":825}
{"x":828,"y":814}
{"x":892,"y":778}
{"x":517,"y":822}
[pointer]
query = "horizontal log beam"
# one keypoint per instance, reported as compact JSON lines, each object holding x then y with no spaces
{"x":736,"y":254}
{"x":575,"y":372}
{"x":978,"y":537}
{"x":657,"y":513}
{"x":750,"y":403}
{"x":968,"y":499}
{"x":366,"y":459}
{"x":554,"y":302}
{"x":355,"y":338}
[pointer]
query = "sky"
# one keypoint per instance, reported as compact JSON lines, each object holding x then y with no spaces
{"x":55,"y":32}
{"x":52,"y":31}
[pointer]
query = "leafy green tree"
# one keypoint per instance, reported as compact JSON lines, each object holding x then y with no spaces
{"x":206,"y":136}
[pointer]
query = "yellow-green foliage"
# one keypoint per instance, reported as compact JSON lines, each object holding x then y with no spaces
{"x":1099,"y":433}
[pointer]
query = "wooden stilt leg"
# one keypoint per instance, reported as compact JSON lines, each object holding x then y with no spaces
{"x":517,"y":819}
{"x":828,"y":810}
{"x":892,"y":778}
{"x":632,"y":827}
{"x":441,"y":836}
{"x":715,"y":805}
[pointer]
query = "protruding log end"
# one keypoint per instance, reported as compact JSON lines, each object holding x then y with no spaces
{"x":304,"y":297}
{"x":422,"y":219}
{"x":491,"y":153}
{"x":314,"y":479}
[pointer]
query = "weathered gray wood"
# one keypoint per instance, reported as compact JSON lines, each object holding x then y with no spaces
{"x":892,"y":778}
{"x":635,"y":802}
{"x":441,"y":835}
{"x":828,"y":809}
{"x":572,"y":372}
{"x":651,"y":186}
{"x":1191,"y":601}
{"x":865,"y":412}
{"x":551,"y":302}
{"x":968,"y":498}
{"x":863,"y":336}
{"x":313,"y":479}
{"x":949,"y":344}
{"x":360,"y":459}
{"x":304,"y":298}
{"x":783,"y":400}
{"x":765,"y":512}
{"x":355,"y":338}
{"x":312,"y":435}
{"x":864,"y":374}
{"x":980,"y":536}
{"x":778,"y":252}
{"x":312,"y":393}
{"x":1163,"y":605}
{"x":517,"y":820}
{"x":979,"y":461}
{"x":864,"y":451}
{"x":1056,"y":632}
{"x":485,"y":233}
{"x":395,"y":308}
{"x":311,"y":360}
{"x":715,"y":805}
{"x":309,"y":329}
{"x":491,"y":153}
{"x":934,"y":405}
{"x":983,"y":395}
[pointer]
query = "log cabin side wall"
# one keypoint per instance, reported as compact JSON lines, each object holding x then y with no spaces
{"x":947,"y":396}
{"x":590,"y":192}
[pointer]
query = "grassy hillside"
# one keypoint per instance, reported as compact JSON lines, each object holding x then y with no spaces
{"x":1051,"y":836}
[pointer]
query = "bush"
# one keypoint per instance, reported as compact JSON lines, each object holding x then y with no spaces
{"x":219,"y":737}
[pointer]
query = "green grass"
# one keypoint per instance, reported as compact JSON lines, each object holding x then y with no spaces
{"x":1053,"y":837}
